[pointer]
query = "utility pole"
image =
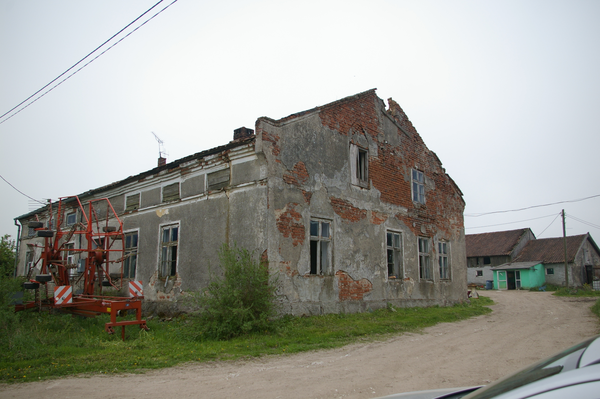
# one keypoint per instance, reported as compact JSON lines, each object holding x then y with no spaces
{"x":565,"y":245}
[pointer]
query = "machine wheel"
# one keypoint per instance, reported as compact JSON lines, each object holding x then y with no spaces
{"x":45,"y":233}
{"x":35,"y":225}
{"x":43,"y":278}
{"x":28,"y":285}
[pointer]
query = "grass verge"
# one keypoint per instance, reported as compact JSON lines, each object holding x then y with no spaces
{"x":46,"y":346}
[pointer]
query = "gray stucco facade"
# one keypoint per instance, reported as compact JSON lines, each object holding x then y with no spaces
{"x":345,"y":201}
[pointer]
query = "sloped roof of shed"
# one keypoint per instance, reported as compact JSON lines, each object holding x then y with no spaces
{"x":552,"y":250}
{"x":516,"y":265}
{"x":493,"y":244}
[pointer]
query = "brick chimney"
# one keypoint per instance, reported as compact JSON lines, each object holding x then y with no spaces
{"x":162,"y":161}
{"x":242,"y":133}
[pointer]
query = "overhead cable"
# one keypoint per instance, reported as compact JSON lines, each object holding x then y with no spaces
{"x":21,"y":192}
{"x":475,"y":215}
{"x":501,"y":224}
{"x":80,"y":61}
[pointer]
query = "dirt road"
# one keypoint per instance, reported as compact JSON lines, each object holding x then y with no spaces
{"x":524,"y":327}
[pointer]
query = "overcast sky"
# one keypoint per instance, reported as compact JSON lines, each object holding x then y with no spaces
{"x":506,"y":93}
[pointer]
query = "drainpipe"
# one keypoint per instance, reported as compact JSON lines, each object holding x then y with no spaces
{"x":17,"y":247}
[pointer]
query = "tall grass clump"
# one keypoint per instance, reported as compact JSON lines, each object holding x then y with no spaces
{"x":240,"y":298}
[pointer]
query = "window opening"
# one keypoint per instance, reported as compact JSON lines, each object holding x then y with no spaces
{"x":487,"y":260}
{"x":168,"y":259}
{"x":425,"y":269}
{"x":132,"y":202}
{"x":361,"y":166}
{"x":70,"y":258}
{"x":170,"y":192}
{"x":518,"y":279}
{"x":394,"y":255}
{"x":443,"y":260}
{"x":131,"y":249}
{"x":478,"y":273}
{"x":71,"y":218}
{"x":418,"y":186}
{"x":320,"y":247}
{"x":550,"y":270}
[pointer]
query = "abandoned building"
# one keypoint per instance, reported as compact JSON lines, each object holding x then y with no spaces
{"x":516,"y":259}
{"x":345,"y":201}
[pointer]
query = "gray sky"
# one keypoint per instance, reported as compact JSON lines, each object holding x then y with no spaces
{"x":505,"y":92}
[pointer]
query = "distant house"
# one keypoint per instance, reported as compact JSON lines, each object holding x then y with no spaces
{"x":583,"y":258}
{"x":518,"y":275}
{"x":487,"y":250}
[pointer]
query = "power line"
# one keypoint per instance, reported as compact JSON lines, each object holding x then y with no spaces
{"x":553,"y":220}
{"x":502,"y":224}
{"x":80,"y":61}
{"x":21,"y":192}
{"x":475,"y":215}
{"x":583,"y":221}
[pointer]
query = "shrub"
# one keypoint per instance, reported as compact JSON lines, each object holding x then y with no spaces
{"x":238,"y":300}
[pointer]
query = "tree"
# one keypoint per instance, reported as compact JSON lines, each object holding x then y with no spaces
{"x":7,"y":256}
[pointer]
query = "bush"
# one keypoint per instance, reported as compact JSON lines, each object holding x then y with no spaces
{"x":238,"y":300}
{"x":8,"y":287}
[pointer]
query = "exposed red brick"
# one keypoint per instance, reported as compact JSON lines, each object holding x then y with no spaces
{"x":346,"y":210}
{"x":378,"y":217}
{"x":297,"y":176}
{"x":350,"y":289}
{"x":290,"y":224}
{"x":274,"y":140}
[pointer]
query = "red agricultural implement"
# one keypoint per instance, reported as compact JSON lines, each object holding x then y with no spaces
{"x":81,"y":257}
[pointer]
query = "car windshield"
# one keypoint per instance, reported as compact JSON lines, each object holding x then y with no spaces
{"x":565,"y":360}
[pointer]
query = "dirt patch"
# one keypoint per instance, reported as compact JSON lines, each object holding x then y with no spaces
{"x":523,"y":327}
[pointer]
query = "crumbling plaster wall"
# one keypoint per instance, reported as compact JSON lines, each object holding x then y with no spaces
{"x":309,"y":168}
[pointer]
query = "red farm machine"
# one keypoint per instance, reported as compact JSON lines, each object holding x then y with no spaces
{"x":81,"y":257}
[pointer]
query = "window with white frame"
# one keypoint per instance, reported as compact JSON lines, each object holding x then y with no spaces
{"x":169,"y":239}
{"x":70,"y":258}
{"x":71,"y":218}
{"x":359,"y":166}
{"x":394,"y":255}
{"x":425,"y":268}
{"x":418,"y":186}
{"x":444,"y":260}
{"x":320,"y":247}
{"x":131,"y":249}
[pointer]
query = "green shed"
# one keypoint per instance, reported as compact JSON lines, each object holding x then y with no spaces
{"x":519,"y":275}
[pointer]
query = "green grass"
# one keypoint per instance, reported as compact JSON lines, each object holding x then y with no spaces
{"x":45,"y":346}
{"x":585,"y":291}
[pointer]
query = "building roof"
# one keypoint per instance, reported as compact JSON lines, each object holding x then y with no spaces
{"x":493,"y":244}
{"x":516,"y":265}
{"x":552,"y":250}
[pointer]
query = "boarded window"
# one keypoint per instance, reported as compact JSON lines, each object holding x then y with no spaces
{"x":132,"y":202}
{"x":170,"y":192}
{"x":218,"y":180}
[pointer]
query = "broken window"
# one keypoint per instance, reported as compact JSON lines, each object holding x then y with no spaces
{"x":132,"y":202}
{"x":320,"y":247}
{"x":418,"y":186}
{"x":359,"y":165}
{"x":425,"y":269}
{"x":444,"y":260}
{"x":168,"y":257}
{"x":170,"y":192}
{"x":131,"y":248}
{"x":71,"y":218}
{"x":394,"y":255}
{"x":478,"y":273}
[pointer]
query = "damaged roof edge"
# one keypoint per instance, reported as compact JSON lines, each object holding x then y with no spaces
{"x":281,"y":121}
{"x":170,"y":165}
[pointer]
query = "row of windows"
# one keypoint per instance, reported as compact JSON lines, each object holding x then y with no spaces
{"x":360,"y":173}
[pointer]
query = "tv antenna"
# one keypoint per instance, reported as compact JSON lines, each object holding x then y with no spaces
{"x":161,"y":148}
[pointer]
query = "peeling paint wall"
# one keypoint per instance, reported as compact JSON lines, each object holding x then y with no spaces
{"x":311,"y":177}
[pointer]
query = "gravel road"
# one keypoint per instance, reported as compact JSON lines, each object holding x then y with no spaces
{"x":523,"y":327}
